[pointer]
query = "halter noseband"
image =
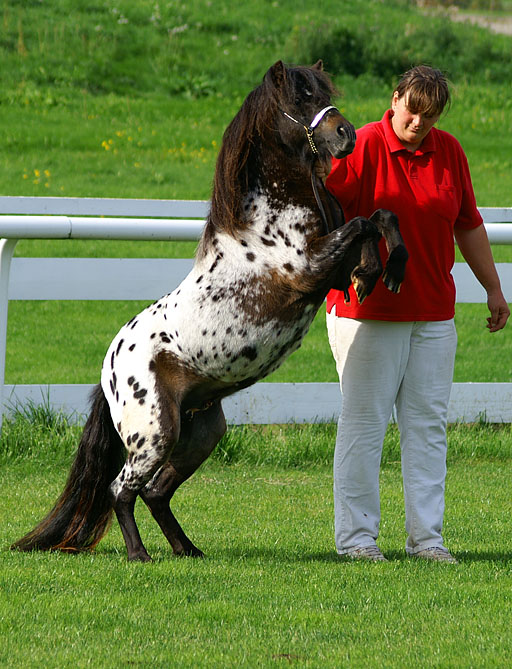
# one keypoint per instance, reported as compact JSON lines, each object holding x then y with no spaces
{"x":311,"y":128}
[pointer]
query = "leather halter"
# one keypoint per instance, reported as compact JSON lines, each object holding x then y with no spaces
{"x":309,"y":134}
{"x":310,"y":129}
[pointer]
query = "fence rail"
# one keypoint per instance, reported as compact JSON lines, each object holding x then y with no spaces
{"x":113,"y":279}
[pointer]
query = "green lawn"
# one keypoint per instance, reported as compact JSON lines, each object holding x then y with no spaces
{"x":65,"y":342}
{"x":271,"y":590}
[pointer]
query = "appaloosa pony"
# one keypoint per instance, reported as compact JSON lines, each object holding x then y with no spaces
{"x":274,"y":243}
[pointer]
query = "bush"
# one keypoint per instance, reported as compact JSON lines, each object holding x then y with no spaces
{"x":53,"y":52}
{"x":386,"y":45}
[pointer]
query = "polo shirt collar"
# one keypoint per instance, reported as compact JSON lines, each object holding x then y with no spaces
{"x":427,"y":146}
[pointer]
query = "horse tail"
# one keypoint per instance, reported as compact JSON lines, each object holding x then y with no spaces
{"x":81,"y":516}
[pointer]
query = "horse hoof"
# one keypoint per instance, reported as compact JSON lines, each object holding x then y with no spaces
{"x":391,"y":284}
{"x":140,"y":557}
{"x":196,"y":553}
{"x":363,"y":286}
{"x":395,"y":269}
{"x":193,"y":551}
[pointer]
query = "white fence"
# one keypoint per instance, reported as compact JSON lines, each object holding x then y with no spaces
{"x":126,"y":279}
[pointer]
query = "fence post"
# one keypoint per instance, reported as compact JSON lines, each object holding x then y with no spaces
{"x":6,"y":253}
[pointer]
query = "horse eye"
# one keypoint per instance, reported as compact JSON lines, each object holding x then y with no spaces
{"x":303,"y":94}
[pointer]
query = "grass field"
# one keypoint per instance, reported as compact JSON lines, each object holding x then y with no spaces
{"x":271,"y":590}
{"x":130,"y":99}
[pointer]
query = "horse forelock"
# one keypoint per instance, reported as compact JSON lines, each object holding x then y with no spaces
{"x":318,"y":82}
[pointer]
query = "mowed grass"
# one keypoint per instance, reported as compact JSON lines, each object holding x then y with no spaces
{"x":271,"y":590}
{"x":167,"y":149}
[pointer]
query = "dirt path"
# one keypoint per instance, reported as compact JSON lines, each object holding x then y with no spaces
{"x":502,"y":24}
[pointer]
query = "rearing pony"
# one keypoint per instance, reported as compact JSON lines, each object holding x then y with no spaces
{"x":274,"y":243}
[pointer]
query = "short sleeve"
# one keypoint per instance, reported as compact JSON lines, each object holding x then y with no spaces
{"x":469,"y":217}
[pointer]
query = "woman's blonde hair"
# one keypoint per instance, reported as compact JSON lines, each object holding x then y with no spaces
{"x":426,"y":89}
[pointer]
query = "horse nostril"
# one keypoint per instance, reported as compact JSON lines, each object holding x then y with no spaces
{"x":347,"y":133}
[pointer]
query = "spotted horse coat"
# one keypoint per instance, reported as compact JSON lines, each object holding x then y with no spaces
{"x":217,"y":324}
{"x":274,"y":243}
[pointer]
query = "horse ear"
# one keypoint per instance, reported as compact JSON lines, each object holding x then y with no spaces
{"x":277,"y":74}
{"x":319,"y":65}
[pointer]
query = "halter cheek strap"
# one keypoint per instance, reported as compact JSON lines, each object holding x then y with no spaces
{"x":311,"y":128}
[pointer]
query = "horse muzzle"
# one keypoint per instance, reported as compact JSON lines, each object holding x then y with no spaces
{"x":342,"y":140}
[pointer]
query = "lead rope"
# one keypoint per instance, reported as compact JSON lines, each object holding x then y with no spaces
{"x":317,"y":197}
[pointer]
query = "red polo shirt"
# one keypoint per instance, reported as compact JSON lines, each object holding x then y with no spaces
{"x":430,"y":191}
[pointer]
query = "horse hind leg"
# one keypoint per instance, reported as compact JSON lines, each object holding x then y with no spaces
{"x":147,"y":452}
{"x":157,"y":496}
{"x":394,"y":272}
{"x":199,"y":436}
{"x":124,"y":504}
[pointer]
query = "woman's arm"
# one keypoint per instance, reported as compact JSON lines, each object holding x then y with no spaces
{"x":474,"y":246}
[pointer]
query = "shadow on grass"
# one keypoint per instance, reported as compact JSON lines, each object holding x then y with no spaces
{"x":503,"y":557}
{"x":393,"y":556}
{"x":161,"y":554}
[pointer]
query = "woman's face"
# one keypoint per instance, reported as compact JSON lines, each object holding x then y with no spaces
{"x":411,"y":129}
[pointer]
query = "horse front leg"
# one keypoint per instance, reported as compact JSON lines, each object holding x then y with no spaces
{"x":387,"y":224}
{"x":348,"y":255}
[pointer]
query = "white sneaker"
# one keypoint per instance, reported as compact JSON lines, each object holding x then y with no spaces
{"x":436,"y":554}
{"x":370,"y":553}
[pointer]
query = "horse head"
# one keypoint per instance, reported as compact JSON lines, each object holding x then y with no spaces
{"x":304,"y":97}
{"x":286,"y":124}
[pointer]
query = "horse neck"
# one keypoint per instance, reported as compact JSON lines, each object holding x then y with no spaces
{"x":271,"y":170}
{"x":275,"y":164}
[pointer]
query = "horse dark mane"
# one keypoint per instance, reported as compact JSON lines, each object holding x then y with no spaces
{"x":255,"y":123}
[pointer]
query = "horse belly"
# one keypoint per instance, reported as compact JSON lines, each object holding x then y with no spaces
{"x":218,"y":344}
{"x":229,"y":335}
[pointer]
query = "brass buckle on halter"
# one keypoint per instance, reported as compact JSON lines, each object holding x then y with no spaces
{"x":309,"y":134}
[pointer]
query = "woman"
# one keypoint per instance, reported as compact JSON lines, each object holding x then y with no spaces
{"x":400,"y":349}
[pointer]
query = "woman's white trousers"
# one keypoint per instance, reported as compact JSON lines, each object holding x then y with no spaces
{"x":381,"y":364}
